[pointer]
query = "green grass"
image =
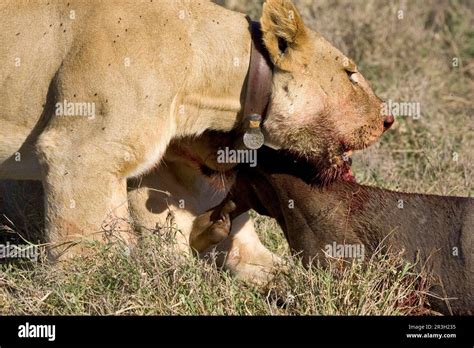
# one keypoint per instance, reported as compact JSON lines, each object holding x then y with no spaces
{"x":405,"y":60}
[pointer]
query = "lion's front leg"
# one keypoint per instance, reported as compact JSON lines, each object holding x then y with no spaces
{"x":82,"y":209}
{"x":85,"y":200}
{"x":244,"y":254}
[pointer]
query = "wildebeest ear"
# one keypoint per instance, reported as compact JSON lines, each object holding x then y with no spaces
{"x":283,"y":30}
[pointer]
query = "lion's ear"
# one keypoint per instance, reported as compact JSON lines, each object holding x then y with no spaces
{"x":283,"y":30}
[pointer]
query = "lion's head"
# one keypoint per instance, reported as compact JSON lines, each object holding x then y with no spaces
{"x":321,"y":106}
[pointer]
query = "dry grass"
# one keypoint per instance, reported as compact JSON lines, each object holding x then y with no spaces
{"x":152,"y":280}
{"x":407,"y":59}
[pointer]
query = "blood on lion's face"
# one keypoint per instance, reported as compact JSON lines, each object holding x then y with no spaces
{"x":321,"y":106}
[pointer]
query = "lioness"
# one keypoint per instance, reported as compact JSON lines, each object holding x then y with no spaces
{"x":93,"y":92}
{"x":438,"y":231}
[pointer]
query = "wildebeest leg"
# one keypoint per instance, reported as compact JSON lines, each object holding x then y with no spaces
{"x":212,"y":227}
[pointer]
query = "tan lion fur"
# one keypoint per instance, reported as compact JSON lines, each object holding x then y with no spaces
{"x":155,"y":71}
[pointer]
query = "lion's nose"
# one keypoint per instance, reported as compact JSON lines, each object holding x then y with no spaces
{"x":388,"y":121}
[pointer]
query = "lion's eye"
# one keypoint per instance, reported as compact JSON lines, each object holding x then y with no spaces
{"x":352,"y":76}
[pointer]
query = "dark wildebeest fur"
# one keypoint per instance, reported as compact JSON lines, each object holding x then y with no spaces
{"x":435,"y":230}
